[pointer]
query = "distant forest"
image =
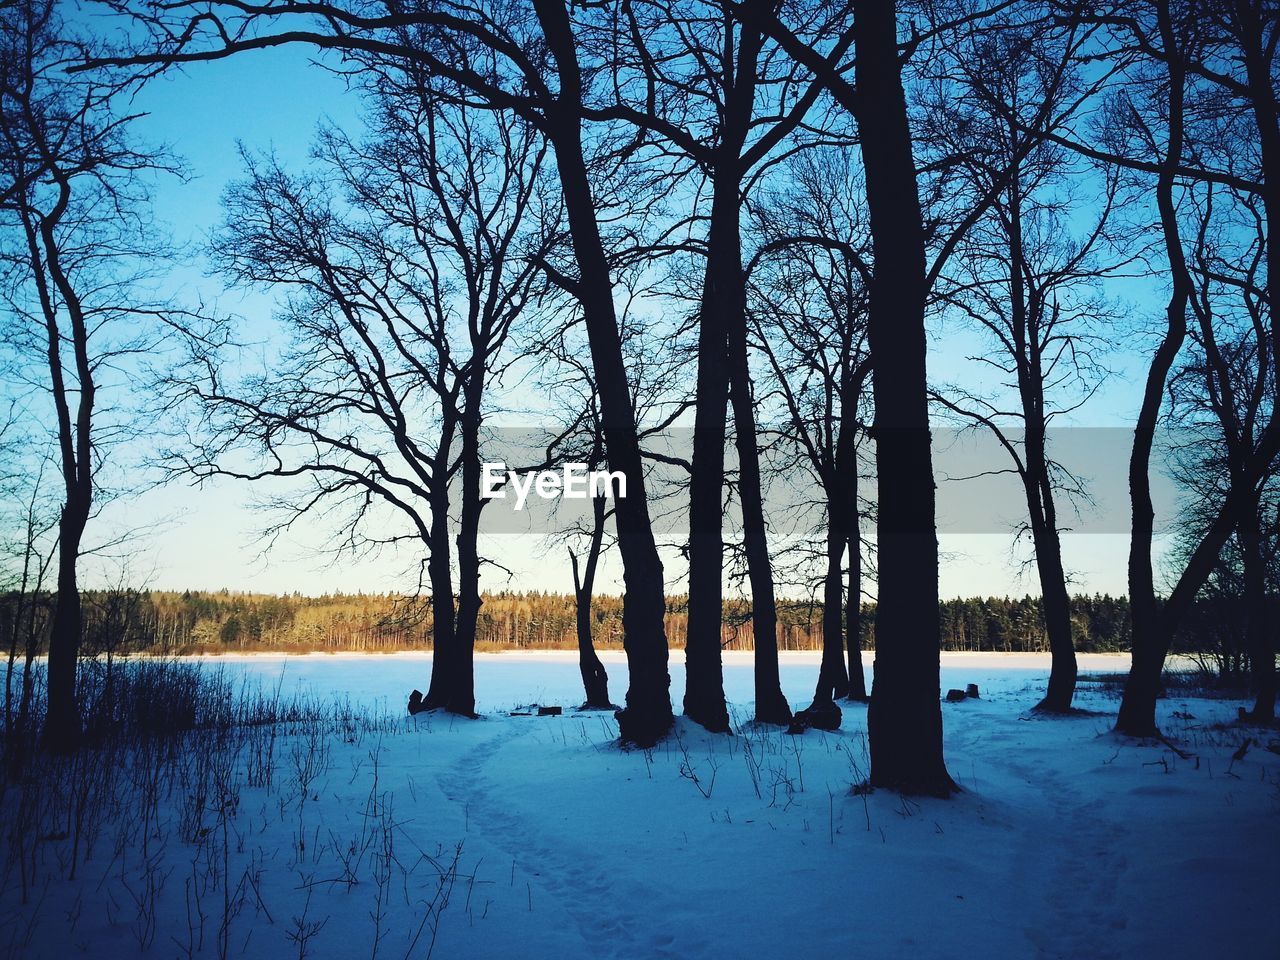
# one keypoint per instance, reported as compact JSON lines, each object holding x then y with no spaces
{"x":227,"y":622}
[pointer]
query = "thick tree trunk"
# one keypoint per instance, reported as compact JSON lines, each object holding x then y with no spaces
{"x":647,"y":716}
{"x":62,"y":730}
{"x":1259,"y":64}
{"x":904,"y":720}
{"x":443,"y":617}
{"x":704,"y":676}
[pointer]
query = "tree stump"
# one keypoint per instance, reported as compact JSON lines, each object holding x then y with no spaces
{"x":416,"y":705}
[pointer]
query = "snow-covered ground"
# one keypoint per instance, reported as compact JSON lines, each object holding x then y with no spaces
{"x":536,"y":837}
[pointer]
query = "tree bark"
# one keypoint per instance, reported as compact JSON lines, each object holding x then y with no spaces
{"x":1259,"y":70}
{"x":904,"y":720}
{"x":847,"y":481}
{"x":1026,"y":314}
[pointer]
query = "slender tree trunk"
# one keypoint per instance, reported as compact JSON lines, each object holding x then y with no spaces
{"x":1056,"y":604}
{"x":595,"y":681}
{"x":846,"y":464}
{"x":853,"y":616}
{"x":771,"y":705}
{"x":62,"y":731}
{"x":724,"y":337}
{"x":833,"y":681}
{"x":462,"y":692}
{"x":904,"y":720}
{"x":647,"y":716}
{"x":1028,"y":343}
{"x":1151,"y":636}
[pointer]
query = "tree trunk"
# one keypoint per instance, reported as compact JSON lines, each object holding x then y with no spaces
{"x":647,"y":717}
{"x":440,"y":577}
{"x":1259,"y":64}
{"x":771,"y":705}
{"x":462,"y":690}
{"x":704,"y":676}
{"x":1028,"y":343}
{"x":904,"y":720}
{"x":1151,"y":638}
{"x":1056,"y":604}
{"x":853,"y":616}
{"x":846,"y":484}
{"x":62,"y":731}
{"x":595,"y":681}
{"x":1262,"y":658}
{"x":833,"y":681}
{"x":62,"y":723}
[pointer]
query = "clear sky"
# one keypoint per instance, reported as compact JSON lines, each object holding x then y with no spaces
{"x":205,"y":538}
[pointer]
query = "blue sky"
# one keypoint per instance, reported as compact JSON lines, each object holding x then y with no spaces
{"x":273,"y":100}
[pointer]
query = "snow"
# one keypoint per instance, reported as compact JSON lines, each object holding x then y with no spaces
{"x":1066,"y":842}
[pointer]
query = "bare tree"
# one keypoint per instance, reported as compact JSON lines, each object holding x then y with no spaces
{"x":708,"y":85}
{"x":410,"y":257}
{"x":809,"y":282}
{"x":1030,"y":282}
{"x":524,"y":61}
{"x":1220,"y":399}
{"x":1195,"y":105}
{"x":75,"y":242}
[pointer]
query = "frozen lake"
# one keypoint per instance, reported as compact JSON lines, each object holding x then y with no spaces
{"x":504,"y":680}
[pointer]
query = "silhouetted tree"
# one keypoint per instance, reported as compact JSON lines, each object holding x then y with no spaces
{"x":410,"y":255}
{"x":524,"y":61}
{"x":809,"y":284}
{"x":73,"y":233}
{"x":1028,"y":280}
{"x":1195,"y":105}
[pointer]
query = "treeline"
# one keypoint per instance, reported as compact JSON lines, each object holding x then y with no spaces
{"x":223,"y":621}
